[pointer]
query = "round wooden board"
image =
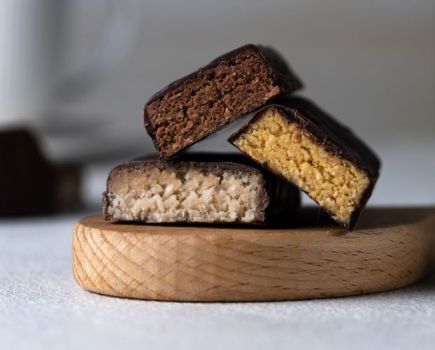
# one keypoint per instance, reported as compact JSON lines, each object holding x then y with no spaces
{"x":391,"y":249}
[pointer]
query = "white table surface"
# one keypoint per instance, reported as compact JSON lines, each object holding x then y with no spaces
{"x":41,"y":307}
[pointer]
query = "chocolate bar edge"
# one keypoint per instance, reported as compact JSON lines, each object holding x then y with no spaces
{"x":286,"y":79}
{"x":331,"y":147}
{"x":265,"y":196}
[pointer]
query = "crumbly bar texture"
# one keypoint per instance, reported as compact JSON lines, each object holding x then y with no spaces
{"x":153,"y":191}
{"x":304,"y":145}
{"x":229,"y":87}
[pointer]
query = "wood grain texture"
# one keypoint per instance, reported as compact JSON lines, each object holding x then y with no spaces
{"x":391,"y":249}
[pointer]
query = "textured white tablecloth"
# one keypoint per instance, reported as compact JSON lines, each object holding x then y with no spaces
{"x":41,"y":307}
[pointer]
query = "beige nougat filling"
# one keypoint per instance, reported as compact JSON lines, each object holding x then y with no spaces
{"x":335,"y":183}
{"x":169,"y":195}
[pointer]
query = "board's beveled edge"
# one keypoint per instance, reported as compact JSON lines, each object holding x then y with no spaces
{"x":272,"y":261}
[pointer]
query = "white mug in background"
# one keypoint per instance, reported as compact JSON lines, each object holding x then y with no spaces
{"x":31,"y":43}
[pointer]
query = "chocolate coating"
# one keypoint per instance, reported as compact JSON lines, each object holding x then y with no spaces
{"x":277,"y":198}
{"x":200,"y":103}
{"x":330,"y":135}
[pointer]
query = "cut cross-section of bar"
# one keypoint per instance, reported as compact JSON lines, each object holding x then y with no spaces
{"x":296,"y":140}
{"x":154,"y":191}
{"x":229,"y":87}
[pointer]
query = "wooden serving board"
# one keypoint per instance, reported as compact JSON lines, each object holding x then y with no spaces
{"x":390,"y":249}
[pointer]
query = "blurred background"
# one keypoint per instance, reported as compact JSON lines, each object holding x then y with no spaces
{"x":370,"y":63}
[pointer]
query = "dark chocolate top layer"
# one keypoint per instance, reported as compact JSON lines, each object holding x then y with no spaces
{"x":207,"y":162}
{"x":335,"y":138}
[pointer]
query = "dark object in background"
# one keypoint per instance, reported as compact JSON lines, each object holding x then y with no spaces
{"x":29,"y":183}
{"x":229,"y":87}
{"x":298,"y":141}
{"x":68,"y":186}
{"x":205,"y":188}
